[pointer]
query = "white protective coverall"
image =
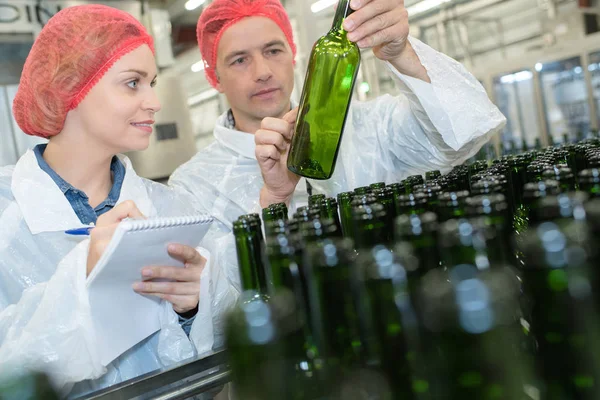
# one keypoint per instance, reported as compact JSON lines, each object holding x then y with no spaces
{"x":427,"y":127}
{"x":45,"y":320}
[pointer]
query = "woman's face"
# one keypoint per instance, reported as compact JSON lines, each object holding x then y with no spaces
{"x":118,"y":112}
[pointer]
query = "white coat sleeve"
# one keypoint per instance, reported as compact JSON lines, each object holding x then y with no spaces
{"x":219,"y":290}
{"x":428,"y":126}
{"x":50,"y":327}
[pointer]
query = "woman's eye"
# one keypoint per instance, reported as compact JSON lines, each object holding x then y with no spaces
{"x":133,"y":84}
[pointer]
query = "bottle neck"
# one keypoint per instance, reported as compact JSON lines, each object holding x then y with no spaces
{"x":343,"y":11}
{"x":252,"y":271}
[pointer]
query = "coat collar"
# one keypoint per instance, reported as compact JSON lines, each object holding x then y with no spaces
{"x":45,"y":207}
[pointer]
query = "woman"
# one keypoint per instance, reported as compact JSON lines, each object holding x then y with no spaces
{"x":87,"y":86}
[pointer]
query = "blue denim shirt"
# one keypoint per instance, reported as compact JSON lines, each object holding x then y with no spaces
{"x":81,"y":204}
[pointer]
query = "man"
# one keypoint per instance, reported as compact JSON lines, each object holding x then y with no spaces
{"x":442,"y":117}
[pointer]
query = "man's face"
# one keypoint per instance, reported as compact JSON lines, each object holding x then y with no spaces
{"x":255,"y":68}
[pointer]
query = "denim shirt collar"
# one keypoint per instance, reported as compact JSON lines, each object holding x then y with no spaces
{"x":116,"y":167}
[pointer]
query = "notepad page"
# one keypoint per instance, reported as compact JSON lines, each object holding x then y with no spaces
{"x":122,"y":318}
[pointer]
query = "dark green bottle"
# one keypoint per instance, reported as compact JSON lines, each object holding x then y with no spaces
{"x":345,"y":204}
{"x":377,"y":185}
{"x":370,"y":227}
{"x":318,"y":229}
{"x":389,"y":323}
{"x":315,"y":200}
{"x":563,"y":205}
{"x":27,"y":386}
{"x":276,"y":227}
{"x":329,"y":210}
{"x":535,"y":171}
{"x":561,"y":280}
{"x":385,"y":197}
{"x":325,"y":101}
{"x":363,"y":190}
{"x":589,"y":181}
{"x":335,"y":319}
{"x":265,"y":342}
{"x":248,"y":244}
{"x":493,"y":210}
{"x":471,"y":339}
{"x":452,"y":205}
{"x":432,"y":175}
{"x":411,"y":181}
{"x":306,"y":214}
{"x":563,"y":175}
{"x":421,"y":232}
{"x":282,"y":210}
{"x":414,"y":203}
{"x":533,"y":193}
{"x":432,"y":191}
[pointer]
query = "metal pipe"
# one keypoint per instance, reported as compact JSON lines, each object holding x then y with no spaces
{"x":202,"y":386}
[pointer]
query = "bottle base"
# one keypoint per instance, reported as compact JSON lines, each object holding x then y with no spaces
{"x":310,"y":172}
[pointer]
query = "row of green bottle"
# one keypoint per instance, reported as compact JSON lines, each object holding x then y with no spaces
{"x":477,"y":284}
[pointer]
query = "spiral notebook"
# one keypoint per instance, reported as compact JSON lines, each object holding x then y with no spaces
{"x":122,"y":318}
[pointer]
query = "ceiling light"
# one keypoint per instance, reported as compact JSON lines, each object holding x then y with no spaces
{"x":321,"y":5}
{"x":193,"y":4}
{"x":424,"y":5}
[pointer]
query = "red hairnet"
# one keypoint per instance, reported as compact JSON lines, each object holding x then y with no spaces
{"x":71,"y":54}
{"x":221,"y":14}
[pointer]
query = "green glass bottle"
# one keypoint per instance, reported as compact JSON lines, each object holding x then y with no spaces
{"x":389,"y":322}
{"x":421,"y":232}
{"x":533,"y":193}
{"x":265,"y":342}
{"x":494,"y":210}
{"x":335,"y":319}
{"x":564,"y":205}
{"x":470,"y":333}
{"x":330,"y":211}
{"x":325,"y":101}
{"x":318,"y":229}
{"x":345,"y":204}
{"x":452,"y":205}
{"x":377,"y":185}
{"x":315,"y":200}
{"x":385,"y":197}
{"x":564,"y":317}
{"x":269,"y":214}
{"x":432,"y":175}
{"x":370,"y":226}
{"x":282,"y":210}
{"x":411,"y":181}
{"x":589,"y":181}
{"x":432,"y":191}
{"x":362,"y":190}
{"x":563,"y":175}
{"x":306,"y":214}
{"x":411,"y":204}
{"x":274,"y":228}
{"x":27,"y":386}
{"x":248,"y":245}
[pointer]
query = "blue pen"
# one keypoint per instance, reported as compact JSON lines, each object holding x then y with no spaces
{"x":80,"y":231}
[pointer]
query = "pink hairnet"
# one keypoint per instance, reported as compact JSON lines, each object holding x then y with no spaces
{"x":221,"y":14}
{"x":72,"y":53}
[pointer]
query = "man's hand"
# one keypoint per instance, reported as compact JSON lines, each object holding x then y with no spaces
{"x":106,"y":224}
{"x":273,"y":141}
{"x":179,"y":286}
{"x":383,"y":26}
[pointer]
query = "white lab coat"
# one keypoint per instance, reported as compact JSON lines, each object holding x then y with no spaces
{"x":45,"y":320}
{"x":427,"y":127}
